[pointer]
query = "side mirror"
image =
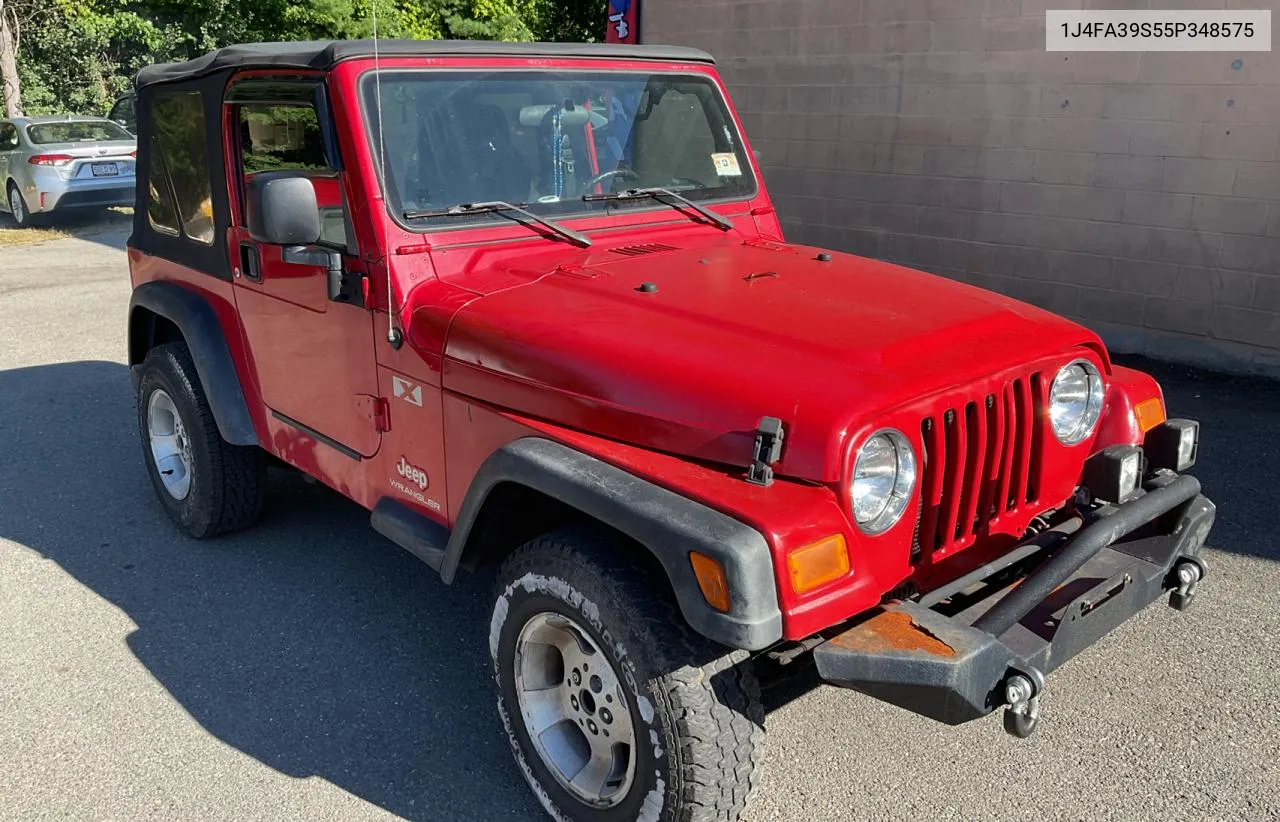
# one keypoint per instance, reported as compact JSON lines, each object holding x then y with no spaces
{"x":281,"y":209}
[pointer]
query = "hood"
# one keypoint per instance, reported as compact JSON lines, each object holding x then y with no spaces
{"x":732,"y":333}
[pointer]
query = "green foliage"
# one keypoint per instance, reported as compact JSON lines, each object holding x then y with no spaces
{"x":568,"y":21}
{"x":77,"y":56}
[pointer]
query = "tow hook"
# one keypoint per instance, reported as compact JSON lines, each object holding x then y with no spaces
{"x":1022,"y":693}
{"x":1188,"y":574}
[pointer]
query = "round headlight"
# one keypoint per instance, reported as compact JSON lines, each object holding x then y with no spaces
{"x":884,"y":475}
{"x":1075,"y":402}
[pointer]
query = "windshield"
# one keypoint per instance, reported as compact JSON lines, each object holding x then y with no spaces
{"x":548,"y":138}
{"x":90,"y":131}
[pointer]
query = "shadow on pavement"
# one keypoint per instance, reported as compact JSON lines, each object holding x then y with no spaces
{"x":309,"y":642}
{"x":1239,"y":461}
{"x":318,"y":648}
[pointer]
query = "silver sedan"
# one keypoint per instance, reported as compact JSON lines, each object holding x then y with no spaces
{"x":55,"y":163}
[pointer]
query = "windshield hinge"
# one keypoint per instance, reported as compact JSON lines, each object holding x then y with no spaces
{"x":767,"y":451}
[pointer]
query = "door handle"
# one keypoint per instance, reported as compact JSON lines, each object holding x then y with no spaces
{"x":251,"y":262}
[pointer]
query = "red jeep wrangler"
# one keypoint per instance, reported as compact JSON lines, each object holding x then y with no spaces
{"x":531,"y":306}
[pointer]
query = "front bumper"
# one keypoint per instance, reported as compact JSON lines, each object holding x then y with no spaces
{"x":954,"y":654}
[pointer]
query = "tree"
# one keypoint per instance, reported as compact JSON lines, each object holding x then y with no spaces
{"x":60,"y":56}
{"x":10,"y":84}
{"x":568,"y":21}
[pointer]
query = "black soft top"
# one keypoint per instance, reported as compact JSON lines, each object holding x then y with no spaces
{"x":325,"y":53}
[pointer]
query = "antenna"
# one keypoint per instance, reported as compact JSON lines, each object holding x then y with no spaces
{"x":395,"y":336}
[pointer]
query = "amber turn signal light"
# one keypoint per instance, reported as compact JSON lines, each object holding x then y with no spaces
{"x":1149,"y":414}
{"x":818,"y":563}
{"x":710,"y":575}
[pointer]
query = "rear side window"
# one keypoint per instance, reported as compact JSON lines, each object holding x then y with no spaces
{"x":8,"y":136}
{"x":161,"y":212}
{"x":178,"y":148}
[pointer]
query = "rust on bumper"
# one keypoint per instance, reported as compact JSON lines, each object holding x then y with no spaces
{"x":892,"y":631}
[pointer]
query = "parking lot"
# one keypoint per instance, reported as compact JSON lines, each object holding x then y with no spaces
{"x":309,"y":669}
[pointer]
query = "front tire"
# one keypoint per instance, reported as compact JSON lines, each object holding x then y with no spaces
{"x":585,"y":646}
{"x":206,"y":485}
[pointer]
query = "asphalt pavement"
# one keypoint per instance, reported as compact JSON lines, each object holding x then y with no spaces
{"x":309,"y":669}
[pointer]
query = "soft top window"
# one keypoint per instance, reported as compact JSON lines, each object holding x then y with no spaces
{"x":546,"y":139}
{"x":179,"y":160}
{"x":76,"y":131}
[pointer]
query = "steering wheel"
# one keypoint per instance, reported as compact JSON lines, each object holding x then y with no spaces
{"x":620,"y":172}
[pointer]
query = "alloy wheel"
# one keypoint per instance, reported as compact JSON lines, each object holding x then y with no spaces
{"x":16,"y":206}
{"x":170,"y":444}
{"x":575,"y":710}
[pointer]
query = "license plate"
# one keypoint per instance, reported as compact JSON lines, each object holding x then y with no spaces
{"x":105,"y":170}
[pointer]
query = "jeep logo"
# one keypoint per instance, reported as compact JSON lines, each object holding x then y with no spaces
{"x":413,"y":474}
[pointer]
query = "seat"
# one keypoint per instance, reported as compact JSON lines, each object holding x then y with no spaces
{"x":498,"y":172}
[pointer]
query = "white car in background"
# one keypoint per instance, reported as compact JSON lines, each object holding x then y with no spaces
{"x":55,"y":163}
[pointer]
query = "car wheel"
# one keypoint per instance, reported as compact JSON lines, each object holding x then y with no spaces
{"x":614,"y":708}
{"x":206,"y":485}
{"x":18,"y":206}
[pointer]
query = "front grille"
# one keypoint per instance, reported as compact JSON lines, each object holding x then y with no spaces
{"x":981,"y":461}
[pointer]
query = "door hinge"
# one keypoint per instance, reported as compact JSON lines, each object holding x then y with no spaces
{"x":767,"y":451}
{"x":377,"y":410}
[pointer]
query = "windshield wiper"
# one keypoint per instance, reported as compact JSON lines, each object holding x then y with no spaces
{"x":723,"y":223}
{"x":508,"y":209}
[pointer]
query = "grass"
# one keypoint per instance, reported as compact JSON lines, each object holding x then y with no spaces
{"x":73,"y":224}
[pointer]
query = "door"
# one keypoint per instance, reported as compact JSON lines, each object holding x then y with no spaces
{"x":314,"y":356}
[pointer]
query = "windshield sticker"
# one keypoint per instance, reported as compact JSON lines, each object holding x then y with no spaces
{"x":727,"y":164}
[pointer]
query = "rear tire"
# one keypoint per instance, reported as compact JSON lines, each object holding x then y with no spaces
{"x":206,"y":485}
{"x":17,"y":206}
{"x":693,"y":716}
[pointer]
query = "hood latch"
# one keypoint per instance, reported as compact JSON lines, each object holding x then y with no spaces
{"x":766,"y":452}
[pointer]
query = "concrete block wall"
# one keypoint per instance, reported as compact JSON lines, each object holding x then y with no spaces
{"x":1138,"y":193}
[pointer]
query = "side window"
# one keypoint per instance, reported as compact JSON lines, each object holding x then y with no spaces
{"x":160,"y":210}
{"x":8,"y":137}
{"x":123,"y":113}
{"x":276,"y":137}
{"x":179,"y":143}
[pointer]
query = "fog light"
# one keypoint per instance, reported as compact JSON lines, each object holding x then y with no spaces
{"x":1114,"y":474}
{"x":1173,"y":445}
{"x":818,"y":563}
{"x":711,"y":580}
{"x":1187,"y":446}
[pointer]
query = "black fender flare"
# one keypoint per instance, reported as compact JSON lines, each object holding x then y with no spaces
{"x":199,"y":325}
{"x":667,"y":524}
